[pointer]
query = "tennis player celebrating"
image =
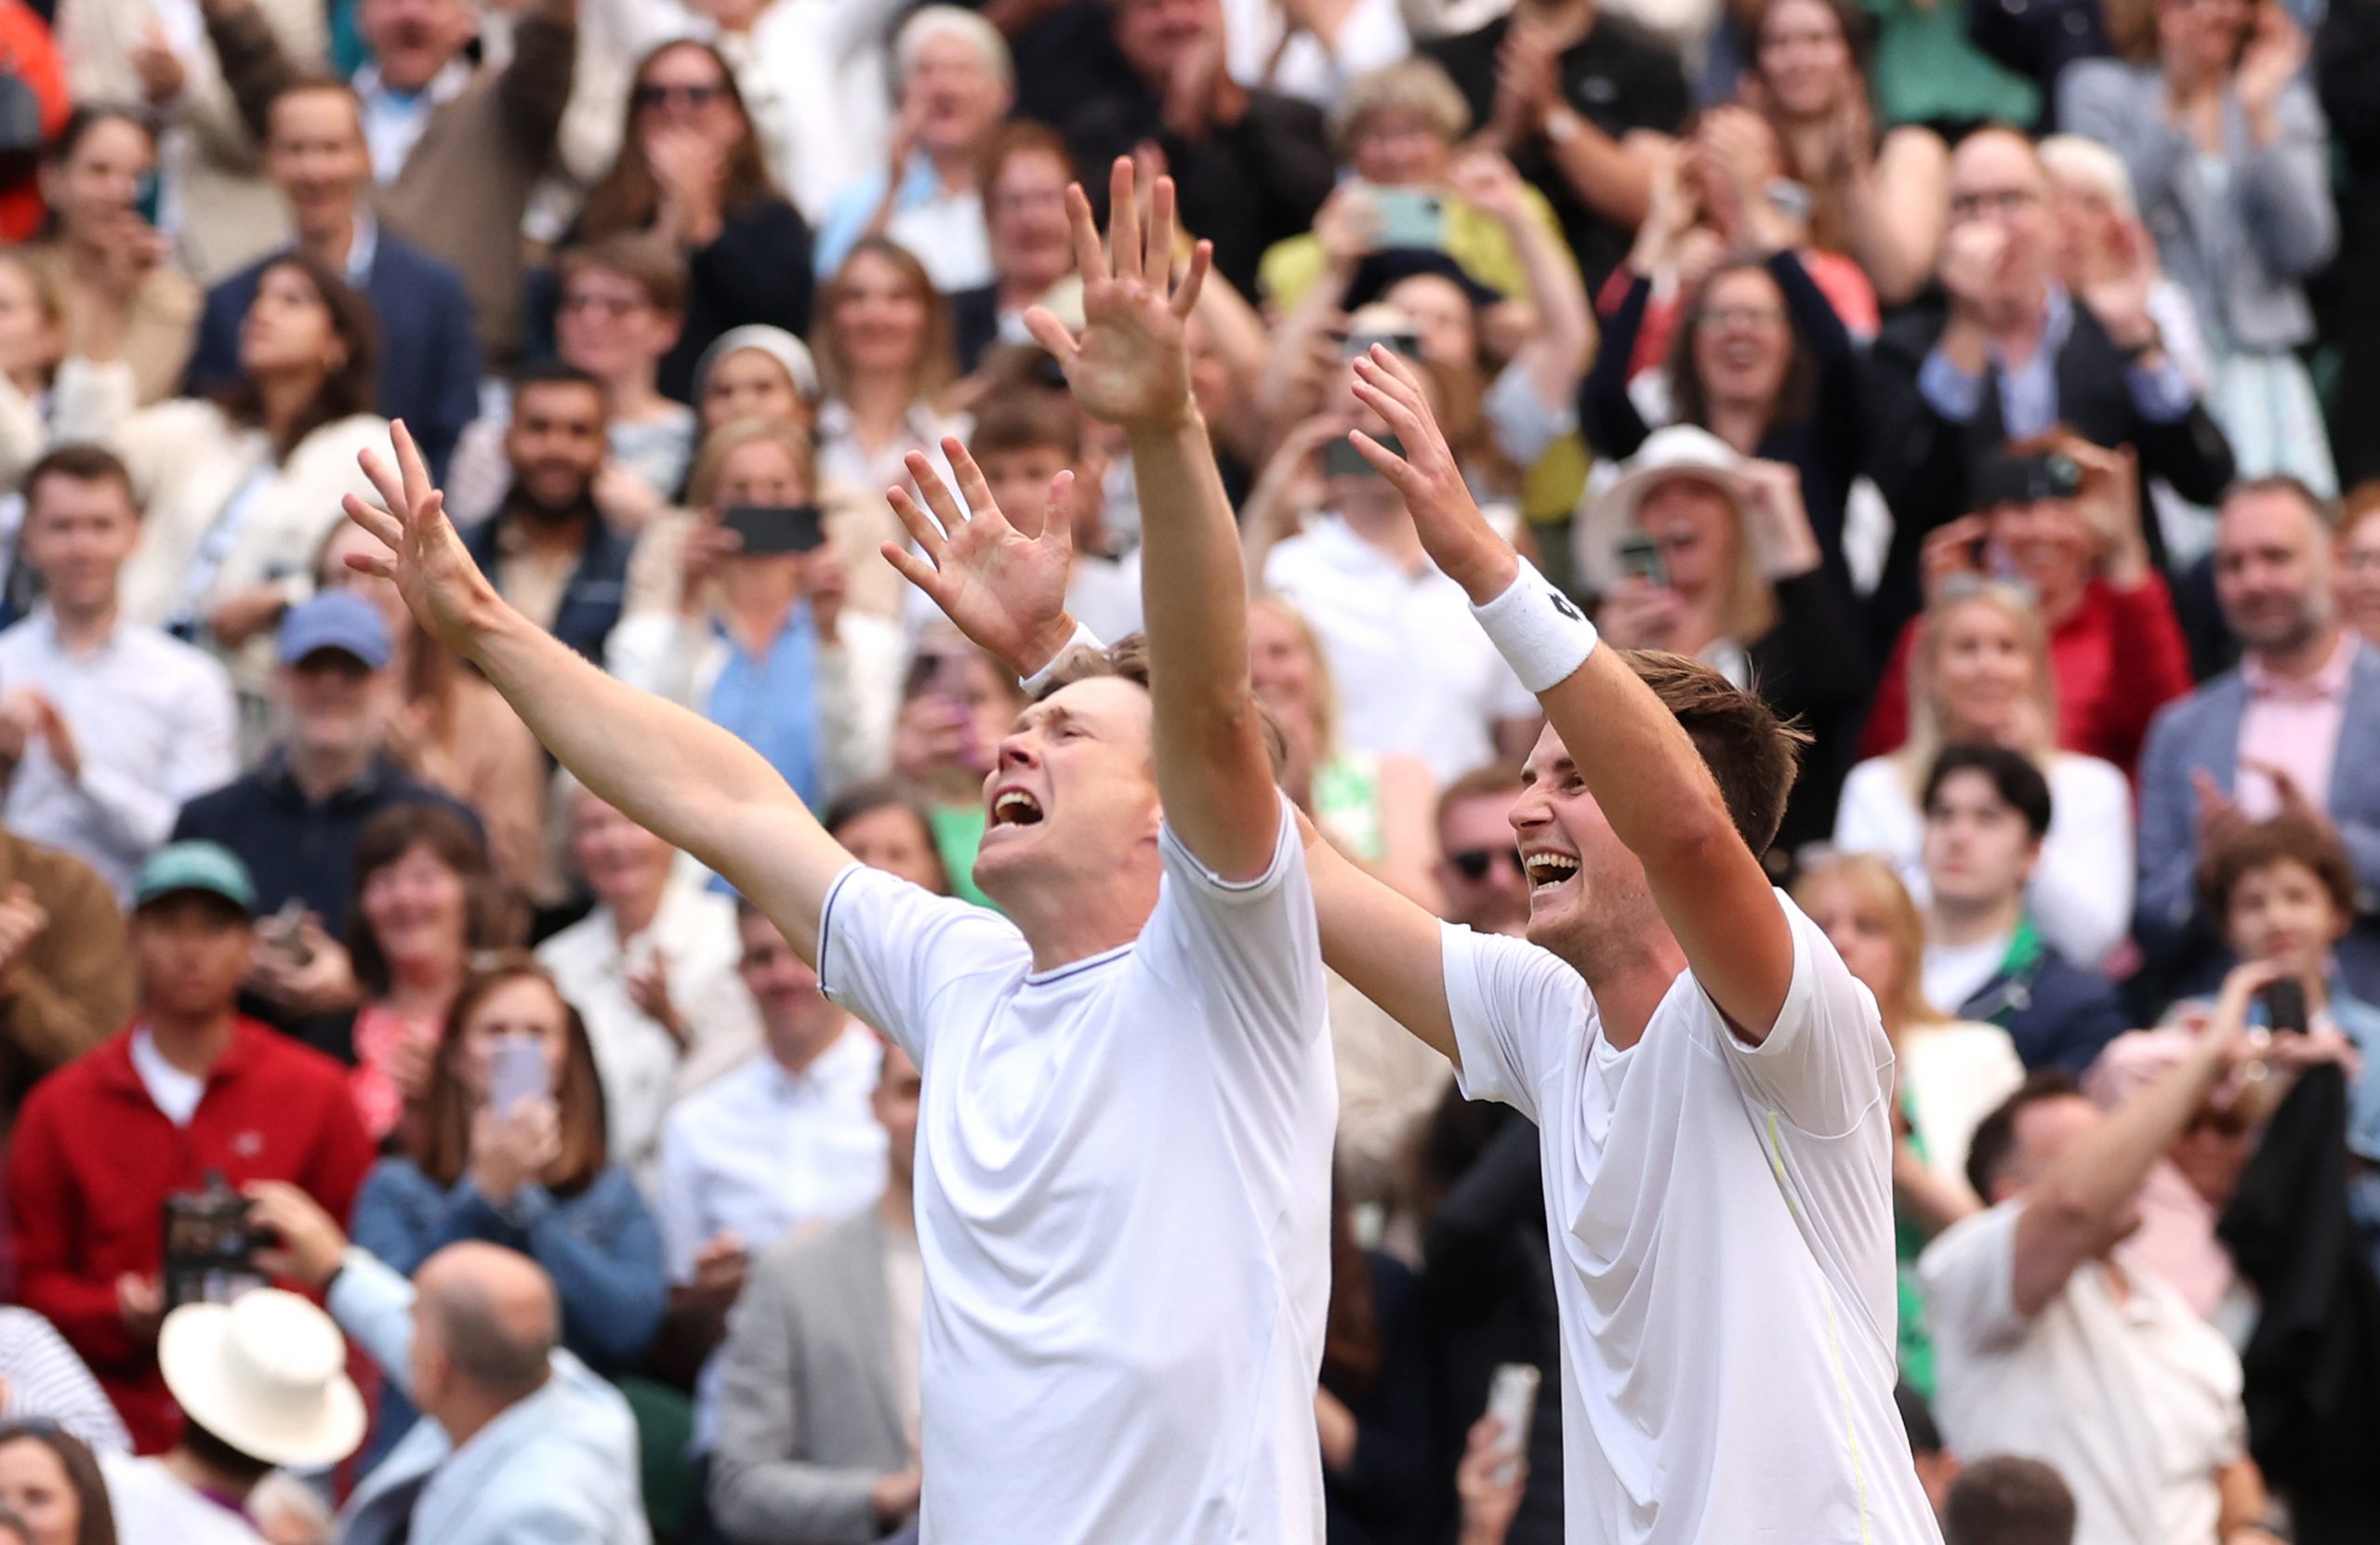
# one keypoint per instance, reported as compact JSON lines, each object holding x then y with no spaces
{"x":1123,"y":1159}
{"x":1712,"y":1086}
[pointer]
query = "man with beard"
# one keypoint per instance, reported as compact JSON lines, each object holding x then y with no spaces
{"x":546,"y":548}
{"x":2297,"y":725}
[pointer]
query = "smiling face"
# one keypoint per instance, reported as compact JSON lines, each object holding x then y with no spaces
{"x":2047,"y":544}
{"x":289,"y":330}
{"x":417,"y":908}
{"x":751,"y":384}
{"x":1025,"y":216}
{"x":957,"y":96}
{"x":78,"y":534}
{"x":682,"y":89}
{"x":1742,"y":343}
{"x":1072,"y":795}
{"x":316,"y":156}
{"x":624,"y":865}
{"x":100,"y":181}
{"x":1396,"y":146}
{"x":335,"y":705}
{"x":556,"y":442}
{"x":607,"y":325}
{"x":1588,"y":899}
{"x":1803,"y":59}
{"x":2272,"y":570}
{"x":1982,"y":670}
{"x":1693,"y":524}
{"x":880,"y":315}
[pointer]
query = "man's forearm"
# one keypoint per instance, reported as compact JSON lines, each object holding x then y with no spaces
{"x":2098,"y":1178}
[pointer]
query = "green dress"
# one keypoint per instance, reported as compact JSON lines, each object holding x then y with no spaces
{"x":1908,"y":1242}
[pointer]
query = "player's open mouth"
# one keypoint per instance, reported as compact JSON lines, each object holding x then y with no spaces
{"x":1548,"y":869}
{"x":1013,"y":807}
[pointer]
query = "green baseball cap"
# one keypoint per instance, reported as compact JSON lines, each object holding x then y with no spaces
{"x":205,"y":866}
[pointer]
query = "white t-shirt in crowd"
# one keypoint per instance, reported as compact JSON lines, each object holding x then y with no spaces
{"x":1953,"y":973}
{"x":151,"y":1503}
{"x":2136,"y":1402}
{"x":1123,"y":1192}
{"x":175,"y":1092}
{"x":1722,"y":1223}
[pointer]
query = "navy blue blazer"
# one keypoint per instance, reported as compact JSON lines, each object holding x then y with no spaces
{"x":430,"y":357}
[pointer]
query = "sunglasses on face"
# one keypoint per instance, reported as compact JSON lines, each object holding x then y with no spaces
{"x":1473,"y":863}
{"x":650,"y":96}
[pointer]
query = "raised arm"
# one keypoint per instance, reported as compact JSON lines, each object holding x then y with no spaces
{"x":1131,"y":367}
{"x":1633,"y":756}
{"x":688,"y":781}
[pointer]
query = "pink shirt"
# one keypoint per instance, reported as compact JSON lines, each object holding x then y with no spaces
{"x":2292,"y":727}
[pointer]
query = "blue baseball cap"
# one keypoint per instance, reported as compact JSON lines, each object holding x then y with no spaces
{"x":207,"y":867}
{"x":336,"y":619}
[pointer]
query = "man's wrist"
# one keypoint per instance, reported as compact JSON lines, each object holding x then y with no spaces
{"x":1050,"y":643}
{"x":1539,"y":631}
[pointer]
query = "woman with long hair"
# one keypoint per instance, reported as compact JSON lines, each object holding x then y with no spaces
{"x":51,"y":1483}
{"x":124,"y":299}
{"x":240,"y":493}
{"x":1981,"y":674}
{"x":886,"y":356}
{"x":1949,"y":1073}
{"x":692,"y":170}
{"x":47,"y":397}
{"x":513,"y":1152}
{"x":886,"y":827}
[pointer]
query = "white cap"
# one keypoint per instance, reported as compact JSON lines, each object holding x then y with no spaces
{"x":1680,"y":451}
{"x":266,"y":1373}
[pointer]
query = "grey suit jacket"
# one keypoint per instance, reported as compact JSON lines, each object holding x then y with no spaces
{"x":2200,"y":732}
{"x":808,"y":1415}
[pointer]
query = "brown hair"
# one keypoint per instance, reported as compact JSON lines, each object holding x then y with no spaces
{"x":1753,"y":755}
{"x":308,"y":83}
{"x":649,"y":262}
{"x":1128,"y":658}
{"x":81,"y":462}
{"x":710,"y":460}
{"x":1016,"y":138}
{"x":629,"y":198}
{"x":351,"y":389}
{"x":937,"y":364}
{"x":1829,"y":218}
{"x":96,"y":1525}
{"x":2292,"y":837}
{"x":489,"y":920}
{"x":1494,"y":780}
{"x":2007,"y":1499}
{"x":1027,"y":421}
{"x":1994,"y":1142}
{"x":1795,"y":393}
{"x":1875,"y":889}
{"x":447,"y":1146}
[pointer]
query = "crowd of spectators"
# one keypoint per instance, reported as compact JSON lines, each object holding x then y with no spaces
{"x":401,"y":1142}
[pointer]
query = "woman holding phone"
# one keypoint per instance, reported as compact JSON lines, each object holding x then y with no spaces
{"x":760,"y":642}
{"x":514,"y":1154}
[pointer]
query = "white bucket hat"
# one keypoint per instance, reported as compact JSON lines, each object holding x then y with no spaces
{"x":1681,"y":450}
{"x":266,"y":1373}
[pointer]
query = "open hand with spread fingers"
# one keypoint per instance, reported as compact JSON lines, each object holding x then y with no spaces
{"x":426,"y":557}
{"x":1453,"y":532}
{"x":1003,"y":584}
{"x":1131,"y":363}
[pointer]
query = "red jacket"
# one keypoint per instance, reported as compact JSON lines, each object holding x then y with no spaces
{"x":2118,"y":660}
{"x":93,"y":1160}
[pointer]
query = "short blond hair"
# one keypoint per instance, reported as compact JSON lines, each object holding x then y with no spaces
{"x":1418,"y":85}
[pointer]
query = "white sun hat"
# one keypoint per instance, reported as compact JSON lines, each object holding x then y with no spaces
{"x":266,"y":1373}
{"x":1679,"y":451}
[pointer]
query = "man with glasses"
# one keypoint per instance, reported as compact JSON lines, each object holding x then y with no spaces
{"x":2011,"y":355}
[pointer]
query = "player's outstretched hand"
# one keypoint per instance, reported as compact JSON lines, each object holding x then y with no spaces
{"x":1131,"y":363}
{"x":1004,"y":585}
{"x":426,"y":556}
{"x":1453,"y":532}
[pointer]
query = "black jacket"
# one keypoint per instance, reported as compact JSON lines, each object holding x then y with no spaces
{"x":598,"y":589}
{"x":2059,"y":1014}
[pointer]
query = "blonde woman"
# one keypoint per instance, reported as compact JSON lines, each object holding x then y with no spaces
{"x":1981,"y":673}
{"x":1950,"y":1073}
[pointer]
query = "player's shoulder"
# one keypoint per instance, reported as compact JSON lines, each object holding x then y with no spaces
{"x":868,"y":907}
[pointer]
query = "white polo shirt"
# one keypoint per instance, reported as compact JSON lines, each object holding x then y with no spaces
{"x":2135,"y":1401}
{"x":1721,"y":1218}
{"x":1123,"y":1197}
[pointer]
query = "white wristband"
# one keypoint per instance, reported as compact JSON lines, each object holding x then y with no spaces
{"x":1539,"y":631}
{"x":1083,"y":638}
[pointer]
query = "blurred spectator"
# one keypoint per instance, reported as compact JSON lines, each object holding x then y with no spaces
{"x":2293,"y":725}
{"x":622,"y":307}
{"x":1877,"y":199}
{"x":1488,"y":1483}
{"x":1481,"y":882}
{"x":1565,"y":90}
{"x":426,"y":907}
{"x":522,"y":1440}
{"x":885,"y":356}
{"x":2011,"y":355}
{"x":1948,"y":1073}
{"x":65,"y":984}
{"x":1312,"y":50}
{"x":123,"y":299}
{"x":1252,"y":166}
{"x":953,"y":81}
{"x":1025,"y":169}
{"x":106,"y":724}
{"x":1372,"y":1406}
{"x":2050,"y":1349}
{"x":263,"y":1383}
{"x":50,"y":1484}
{"x":1981,"y":673}
{"x":1700,"y":551}
{"x":295,"y":818}
{"x":38,"y":394}
{"x":780,"y":1146}
{"x":1928,"y":71}
{"x":1987,"y":810}
{"x":189,"y":1088}
{"x":2008,"y":1501}
{"x":429,"y":356}
{"x":2346,"y":51}
{"x":1024,"y":436}
{"x":2063,"y":518}
{"x":240,"y":493}
{"x":813,"y":79}
{"x":449,"y":728}
{"x":549,"y":548}
{"x":1938,"y":1468}
{"x":1757,"y":355}
{"x":2355,"y":574}
{"x":762,"y":642}
{"x":44,"y":106}
{"x":531,"y":1175}
{"x":456,"y":147}
{"x":757,"y":372}
{"x":956,"y":707}
{"x":651,"y":973}
{"x":886,"y":827}
{"x":289,"y":1510}
{"x":1397,"y":130}
{"x":2228,"y":156}
{"x":819,"y":1399}
{"x":41,"y":1379}
{"x":690,"y":171}
{"x":2101,"y":240}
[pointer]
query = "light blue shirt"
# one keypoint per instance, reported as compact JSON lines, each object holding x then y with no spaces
{"x":770,"y":701}
{"x":2028,"y":392}
{"x":394,"y":121}
{"x":944,"y":228}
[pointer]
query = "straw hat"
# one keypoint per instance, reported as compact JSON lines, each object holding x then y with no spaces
{"x":1680,"y":451}
{"x":266,"y":1373}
